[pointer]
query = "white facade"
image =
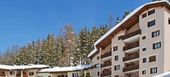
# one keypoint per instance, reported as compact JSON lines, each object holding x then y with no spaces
{"x":139,"y":44}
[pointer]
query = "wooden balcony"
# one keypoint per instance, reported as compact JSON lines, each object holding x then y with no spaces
{"x":130,"y":46}
{"x":131,"y":56}
{"x":106,"y":72}
{"x":2,"y":73}
{"x":107,"y":63}
{"x":129,"y":35}
{"x":130,"y":68}
{"x":107,"y":54}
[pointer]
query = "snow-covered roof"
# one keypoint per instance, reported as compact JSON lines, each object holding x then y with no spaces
{"x":93,"y":52}
{"x":123,"y":21}
{"x":29,"y":66}
{"x":5,"y":67}
{"x":9,"y":67}
{"x":64,"y":69}
{"x":166,"y":74}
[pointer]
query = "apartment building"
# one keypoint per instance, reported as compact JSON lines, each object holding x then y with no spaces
{"x":138,"y":46}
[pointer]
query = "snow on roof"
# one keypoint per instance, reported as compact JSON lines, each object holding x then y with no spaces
{"x":166,"y":74}
{"x":8,"y":67}
{"x":119,"y":24}
{"x":93,"y":52}
{"x":65,"y":69}
{"x":29,"y":66}
{"x":5,"y":67}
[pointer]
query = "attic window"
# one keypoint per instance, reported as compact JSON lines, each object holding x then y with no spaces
{"x":151,"y":12}
{"x":144,"y":15}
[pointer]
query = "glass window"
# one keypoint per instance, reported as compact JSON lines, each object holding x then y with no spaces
{"x":151,"y":23}
{"x":97,"y":65}
{"x":117,"y":67}
{"x":144,"y":49}
{"x":151,"y":12}
{"x":116,"y":57}
{"x":157,"y":45}
{"x":144,"y":60}
{"x":31,"y":73}
{"x":98,"y":73}
{"x":144,"y":72}
{"x":12,"y":72}
{"x":153,"y":70}
{"x":74,"y":74}
{"x":98,"y":57}
{"x":144,"y":37}
{"x":144,"y":15}
{"x":155,"y":33}
{"x":115,"y":48}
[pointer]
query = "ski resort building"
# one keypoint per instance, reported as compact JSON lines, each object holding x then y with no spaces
{"x":138,"y":46}
{"x":77,"y":71}
{"x":21,"y":71}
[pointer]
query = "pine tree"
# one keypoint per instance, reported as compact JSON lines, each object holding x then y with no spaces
{"x":69,"y":45}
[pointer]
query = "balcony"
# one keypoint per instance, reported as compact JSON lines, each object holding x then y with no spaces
{"x":107,"y":63}
{"x":132,"y":74}
{"x":131,"y":46}
{"x":130,"y":68}
{"x":107,"y":54}
{"x":131,"y":37}
{"x":131,"y":56}
{"x":106,"y":72}
{"x":2,"y":73}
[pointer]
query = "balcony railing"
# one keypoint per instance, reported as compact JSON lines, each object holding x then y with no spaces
{"x":107,"y":63}
{"x":130,"y":57}
{"x":106,"y":72}
{"x":130,"y":46}
{"x":107,"y":54}
{"x":130,"y":68}
{"x":129,"y":35}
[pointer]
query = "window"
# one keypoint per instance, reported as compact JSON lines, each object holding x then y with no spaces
{"x":157,"y":45}
{"x":12,"y":72}
{"x":155,"y":33}
{"x":144,"y":37}
{"x":144,"y":72}
{"x":117,"y":67}
{"x":116,"y":75}
{"x":152,"y":58}
{"x":153,"y":70}
{"x":144,"y":60}
{"x":168,"y":20}
{"x":151,"y":12}
{"x":74,"y":74}
{"x":116,"y":57}
{"x":115,"y":48}
{"x":98,"y":73}
{"x":144,"y":15}
{"x":98,"y":57}
{"x":97,"y":65}
{"x":144,"y":49}
{"x":49,"y":76}
{"x":31,"y":73}
{"x":151,"y":23}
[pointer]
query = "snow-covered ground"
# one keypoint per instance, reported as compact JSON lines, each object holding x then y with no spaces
{"x":166,"y":74}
